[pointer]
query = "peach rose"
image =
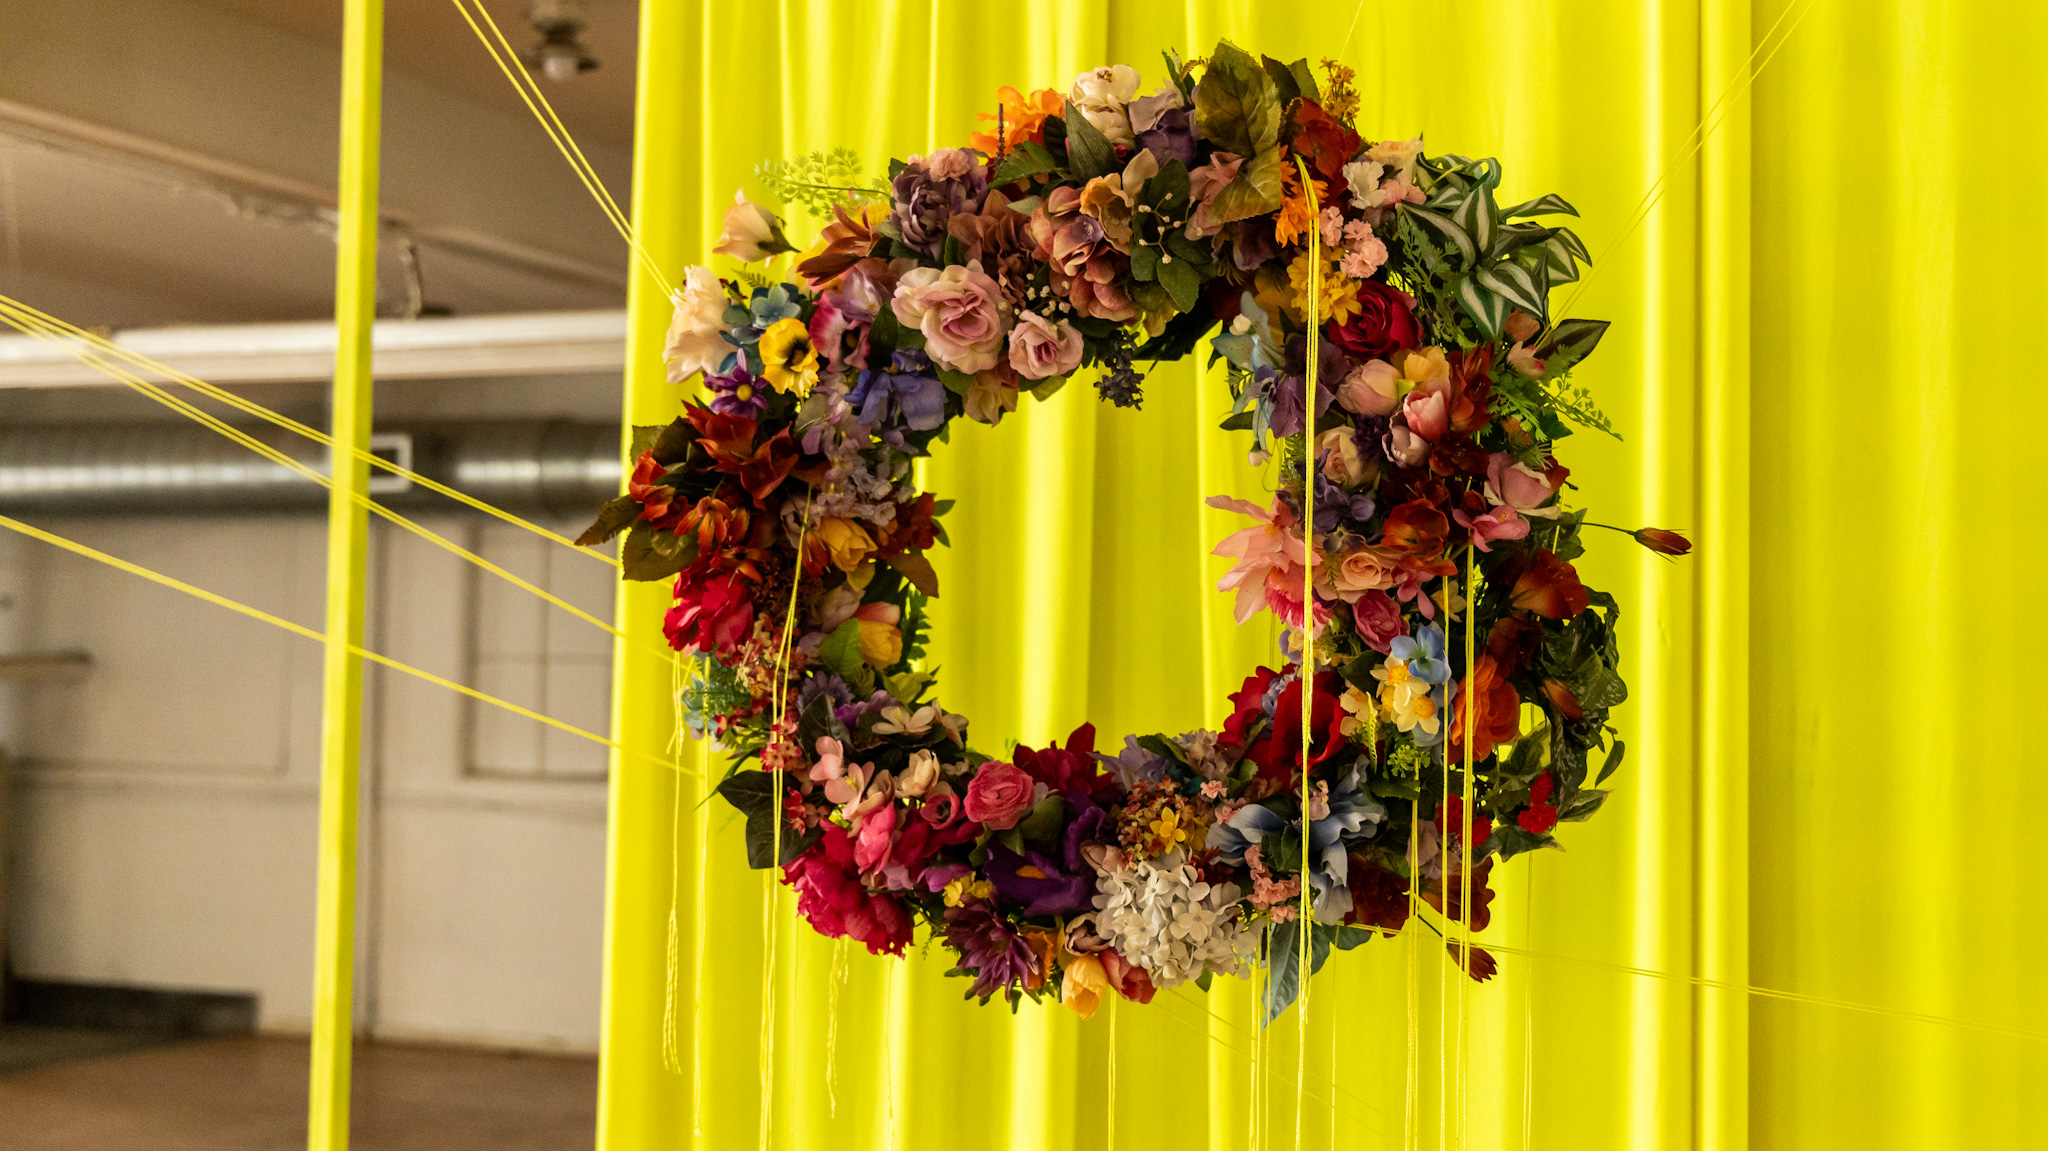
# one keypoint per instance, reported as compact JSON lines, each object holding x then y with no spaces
{"x":1361,"y":570}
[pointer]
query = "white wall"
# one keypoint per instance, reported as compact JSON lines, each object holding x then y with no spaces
{"x":164,"y":818}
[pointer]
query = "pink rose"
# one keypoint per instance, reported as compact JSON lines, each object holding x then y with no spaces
{"x":999,"y":795}
{"x":1502,"y":523}
{"x":1515,"y":484}
{"x":1428,"y":412}
{"x":1372,"y":389}
{"x":1041,"y":349}
{"x":1378,"y":620}
{"x":959,"y":310}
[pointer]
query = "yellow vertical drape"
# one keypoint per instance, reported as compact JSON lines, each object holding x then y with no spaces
{"x":1815,"y":369}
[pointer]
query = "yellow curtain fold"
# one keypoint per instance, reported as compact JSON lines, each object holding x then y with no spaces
{"x":1814,"y":370}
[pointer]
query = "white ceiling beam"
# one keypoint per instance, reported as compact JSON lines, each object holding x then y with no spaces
{"x":532,"y":343}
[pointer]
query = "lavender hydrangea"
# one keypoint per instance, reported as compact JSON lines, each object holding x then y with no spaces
{"x":929,"y":191}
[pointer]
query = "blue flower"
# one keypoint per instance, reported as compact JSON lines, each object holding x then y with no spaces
{"x":1352,"y":816}
{"x":906,"y":388}
{"x":772,"y":304}
{"x":1424,"y":653}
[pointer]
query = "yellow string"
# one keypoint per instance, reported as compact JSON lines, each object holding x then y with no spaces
{"x":50,"y":329}
{"x":1306,"y":917}
{"x":243,"y":438}
{"x":259,"y":614}
{"x":537,"y":102}
{"x":1528,"y":1011}
{"x":1443,"y":867}
{"x":832,"y":1027}
{"x":778,"y":711}
{"x":671,"y":1023}
{"x":1412,"y":1122}
{"x":1697,"y":139}
{"x":1465,"y":845}
{"x":1109,"y":1117}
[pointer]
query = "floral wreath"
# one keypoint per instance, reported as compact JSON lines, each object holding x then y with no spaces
{"x":1088,"y":233}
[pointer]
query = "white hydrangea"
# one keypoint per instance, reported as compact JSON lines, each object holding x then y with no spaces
{"x":1161,"y":916}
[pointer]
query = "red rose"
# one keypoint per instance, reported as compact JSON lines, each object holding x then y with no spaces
{"x":999,"y":795}
{"x":1379,"y":898}
{"x":1385,"y":324}
{"x":1663,"y":541}
{"x":710,"y":615}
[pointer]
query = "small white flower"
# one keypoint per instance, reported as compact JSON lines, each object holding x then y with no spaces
{"x":1160,"y":915}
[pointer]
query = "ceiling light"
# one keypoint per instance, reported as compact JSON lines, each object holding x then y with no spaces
{"x":560,"y":55}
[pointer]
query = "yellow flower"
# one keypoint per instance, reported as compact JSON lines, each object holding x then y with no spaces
{"x":787,"y":357}
{"x":1082,"y":987}
{"x":848,"y":542}
{"x":1167,"y":831}
{"x":968,"y":889}
{"x":1339,"y":301}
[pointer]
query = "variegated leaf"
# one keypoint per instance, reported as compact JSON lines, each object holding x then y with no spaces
{"x":1450,"y":231}
{"x":1551,"y":205}
{"x":1489,"y":309}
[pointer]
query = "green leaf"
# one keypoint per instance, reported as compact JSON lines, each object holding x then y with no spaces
{"x":612,"y":519}
{"x":1255,"y":191}
{"x":755,"y":793}
{"x":1450,"y":230}
{"x":1088,"y":152}
{"x":917,"y":569}
{"x":1182,"y":280}
{"x":1285,"y":86}
{"x":1047,"y":388}
{"x":956,"y":382}
{"x":1551,"y":205}
{"x":648,"y":554}
{"x":644,"y":436}
{"x":1305,"y":79}
{"x":1517,"y":284}
{"x":1583,"y":805}
{"x":1490,"y":309}
{"x":1510,"y":840}
{"x":1047,"y":817}
{"x":1027,"y":159}
{"x":1237,"y":106}
{"x":1612,"y":763}
{"x":1479,"y":218}
{"x":1283,"y":963}
{"x":1144,"y":262}
{"x":1241,"y":422}
{"x":1348,"y":936}
{"x":952,"y":252}
{"x":1568,"y":343}
{"x":818,"y":721}
{"x":841,"y":650}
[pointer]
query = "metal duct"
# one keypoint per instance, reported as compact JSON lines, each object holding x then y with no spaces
{"x":534,"y":467}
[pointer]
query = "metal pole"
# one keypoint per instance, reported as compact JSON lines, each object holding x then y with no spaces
{"x":641,"y":1103}
{"x":341,"y":700}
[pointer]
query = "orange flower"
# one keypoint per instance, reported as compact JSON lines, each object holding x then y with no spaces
{"x":1296,"y":215}
{"x":1498,"y":719}
{"x":1549,"y":587}
{"x":1023,"y":118}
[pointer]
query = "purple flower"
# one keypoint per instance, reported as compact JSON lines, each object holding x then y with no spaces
{"x":1091,"y":824}
{"x":931,"y":190}
{"x":991,"y":948}
{"x":1134,"y":764}
{"x":737,"y":393}
{"x":1256,"y":242}
{"x":907,"y":388}
{"x":1334,"y":504}
{"x":1332,"y":366}
{"x":1034,"y":880}
{"x":1172,"y":138}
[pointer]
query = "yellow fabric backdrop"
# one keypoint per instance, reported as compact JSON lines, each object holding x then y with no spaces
{"x":1814,"y":397}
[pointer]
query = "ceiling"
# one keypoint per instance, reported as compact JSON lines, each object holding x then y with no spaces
{"x":429,"y":39}
{"x":118,"y":217}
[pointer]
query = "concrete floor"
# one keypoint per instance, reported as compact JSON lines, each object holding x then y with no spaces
{"x":249,"y":1094}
